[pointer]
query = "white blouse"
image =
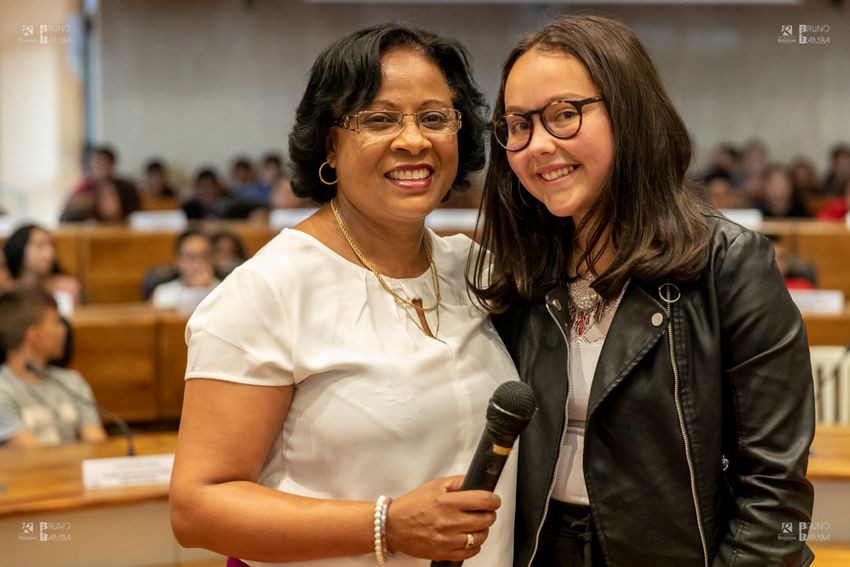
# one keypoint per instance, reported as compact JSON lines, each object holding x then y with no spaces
{"x":379,"y":408}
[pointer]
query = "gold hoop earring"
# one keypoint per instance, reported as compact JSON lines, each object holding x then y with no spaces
{"x":322,"y":179}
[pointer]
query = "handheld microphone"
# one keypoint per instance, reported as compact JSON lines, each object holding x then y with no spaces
{"x":122,"y":425}
{"x":508,"y":413}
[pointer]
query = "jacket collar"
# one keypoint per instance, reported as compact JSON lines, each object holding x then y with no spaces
{"x":640,"y":321}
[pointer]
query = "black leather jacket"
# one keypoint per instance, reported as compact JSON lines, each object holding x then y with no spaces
{"x":700,"y":418}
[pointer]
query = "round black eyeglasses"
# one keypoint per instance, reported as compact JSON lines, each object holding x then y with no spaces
{"x":561,"y":118}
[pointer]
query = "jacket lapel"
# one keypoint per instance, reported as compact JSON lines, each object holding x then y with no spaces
{"x":640,"y":321}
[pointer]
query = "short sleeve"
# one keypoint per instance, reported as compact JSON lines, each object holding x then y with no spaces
{"x":240,"y":333}
{"x":10,"y":417}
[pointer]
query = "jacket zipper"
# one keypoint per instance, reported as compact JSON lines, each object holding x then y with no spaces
{"x":561,"y":442}
{"x":681,"y":416}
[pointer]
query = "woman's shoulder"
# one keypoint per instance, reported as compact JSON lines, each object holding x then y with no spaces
{"x":452,"y":252}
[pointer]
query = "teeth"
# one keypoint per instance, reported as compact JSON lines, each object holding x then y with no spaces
{"x":409,"y":174}
{"x":552,"y":175}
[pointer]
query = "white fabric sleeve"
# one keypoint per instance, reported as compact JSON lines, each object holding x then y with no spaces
{"x":240,"y":333}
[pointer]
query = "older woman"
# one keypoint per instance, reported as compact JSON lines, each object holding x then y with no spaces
{"x":671,"y":364}
{"x":344,"y":363}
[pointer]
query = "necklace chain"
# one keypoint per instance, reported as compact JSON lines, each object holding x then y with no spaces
{"x":401,"y":301}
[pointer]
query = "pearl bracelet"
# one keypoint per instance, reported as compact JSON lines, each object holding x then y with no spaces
{"x":382,"y":506}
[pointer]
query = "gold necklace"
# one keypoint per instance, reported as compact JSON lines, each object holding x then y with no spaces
{"x":401,"y":301}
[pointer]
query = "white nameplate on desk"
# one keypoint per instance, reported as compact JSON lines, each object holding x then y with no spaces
{"x":158,"y":220}
{"x":750,"y":218}
{"x":127,"y":471}
{"x":826,"y":301}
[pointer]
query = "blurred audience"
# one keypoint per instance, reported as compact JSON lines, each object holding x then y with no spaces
{"x":839,"y":171}
{"x":836,"y":208}
{"x":195,"y":277}
{"x":798,"y":273}
{"x":155,"y":184}
{"x":31,"y":261}
{"x":282,"y":197}
{"x":720,"y":191}
{"x":244,"y":183}
{"x":209,"y":196}
{"x":227,"y":252}
{"x":754,"y":163}
{"x":99,"y":164}
{"x":111,"y":202}
{"x":778,"y":198}
{"x":40,"y":404}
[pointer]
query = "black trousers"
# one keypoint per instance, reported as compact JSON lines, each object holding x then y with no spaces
{"x":566,"y":539}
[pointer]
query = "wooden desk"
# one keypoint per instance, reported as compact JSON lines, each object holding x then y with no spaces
{"x":828,"y":329}
{"x":825,"y":244}
{"x":127,"y":527}
{"x":47,"y":479}
{"x":116,"y":349}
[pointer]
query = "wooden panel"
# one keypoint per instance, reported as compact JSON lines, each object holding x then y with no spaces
{"x":67,"y":243}
{"x":116,"y":259}
{"x":828,"y":329}
{"x":829,"y":251}
{"x":253,"y":236}
{"x":171,"y":364}
{"x":116,"y":352}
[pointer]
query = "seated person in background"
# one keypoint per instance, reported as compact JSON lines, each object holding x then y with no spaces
{"x":196,"y":278}
{"x":282,"y":197}
{"x":720,"y":192}
{"x":244,"y":181}
{"x":798,"y":273}
{"x":272,"y":170}
{"x":45,"y":405}
{"x":111,"y":202}
{"x":839,"y":170}
{"x":837,"y":208}
{"x":227,"y":252}
{"x":31,"y":260}
{"x":155,"y":185}
{"x":208,"y":196}
{"x":98,"y":165}
{"x":778,"y":197}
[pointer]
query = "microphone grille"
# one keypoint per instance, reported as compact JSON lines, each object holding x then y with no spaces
{"x":515,"y":398}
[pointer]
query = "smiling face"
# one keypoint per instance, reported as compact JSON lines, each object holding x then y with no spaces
{"x":401,"y":176}
{"x":567,"y":176}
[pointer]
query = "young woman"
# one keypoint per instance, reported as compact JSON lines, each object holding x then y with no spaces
{"x":670,"y":366}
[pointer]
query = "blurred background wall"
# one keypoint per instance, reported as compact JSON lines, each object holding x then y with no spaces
{"x":199,"y":81}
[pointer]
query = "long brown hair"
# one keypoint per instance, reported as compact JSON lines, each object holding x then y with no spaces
{"x":653,"y":222}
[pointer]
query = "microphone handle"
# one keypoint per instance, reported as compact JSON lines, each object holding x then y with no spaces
{"x":122,"y":425}
{"x":483,"y":473}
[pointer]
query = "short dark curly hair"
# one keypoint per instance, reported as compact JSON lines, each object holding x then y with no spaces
{"x":346,"y":77}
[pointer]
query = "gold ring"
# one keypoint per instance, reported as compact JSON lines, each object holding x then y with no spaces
{"x":470,"y":541}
